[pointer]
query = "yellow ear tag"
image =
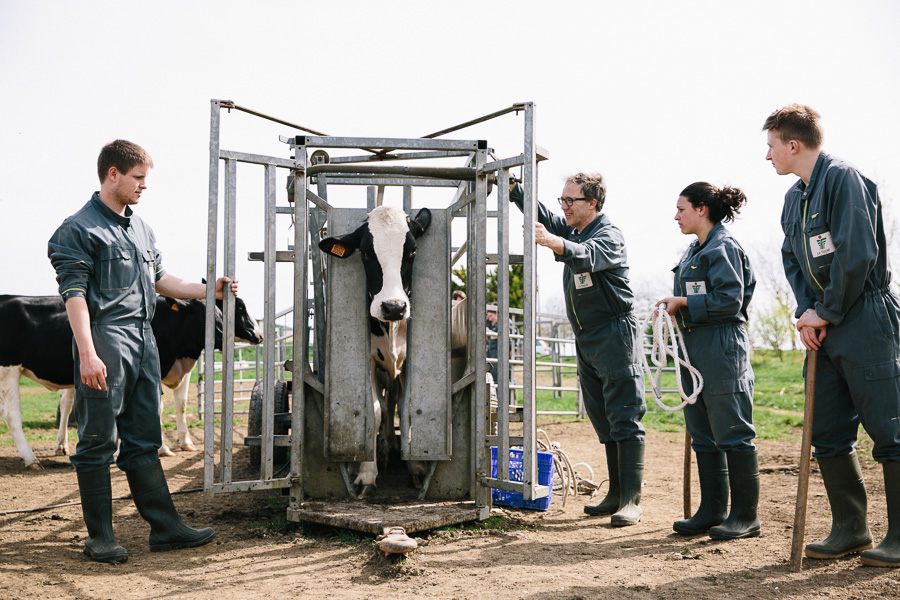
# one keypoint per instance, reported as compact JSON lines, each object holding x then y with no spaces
{"x":338,"y":250}
{"x":175,"y":307}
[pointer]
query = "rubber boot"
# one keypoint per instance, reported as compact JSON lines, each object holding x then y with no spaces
{"x":887,"y":553}
{"x":631,"y":477}
{"x":713,"y":473}
{"x":610,"y":503}
{"x":847,"y":497}
{"x":742,"y":520}
{"x":96,"y":506}
{"x":154,"y":503}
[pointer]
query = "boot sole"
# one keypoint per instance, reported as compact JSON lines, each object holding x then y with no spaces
{"x":692,"y":532}
{"x":114,"y":557}
{"x":599,"y":513}
{"x":813,"y":554}
{"x":750,"y":534}
{"x":872,"y":562}
{"x":178,"y":545}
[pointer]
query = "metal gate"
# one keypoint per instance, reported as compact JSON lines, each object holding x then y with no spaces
{"x":329,"y":423}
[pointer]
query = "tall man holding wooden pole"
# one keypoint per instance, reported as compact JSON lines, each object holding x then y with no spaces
{"x":835,"y":259}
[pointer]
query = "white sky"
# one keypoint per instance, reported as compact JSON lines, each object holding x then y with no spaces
{"x":654,"y":95}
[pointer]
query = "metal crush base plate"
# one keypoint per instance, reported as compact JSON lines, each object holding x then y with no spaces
{"x":373,"y":518}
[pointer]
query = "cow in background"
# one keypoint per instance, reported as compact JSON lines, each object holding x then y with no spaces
{"x":36,"y":341}
{"x":387,"y":244}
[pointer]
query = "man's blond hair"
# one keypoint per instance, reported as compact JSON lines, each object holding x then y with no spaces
{"x":796,"y":122}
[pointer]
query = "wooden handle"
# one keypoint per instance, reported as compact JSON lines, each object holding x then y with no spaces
{"x":803,"y":479}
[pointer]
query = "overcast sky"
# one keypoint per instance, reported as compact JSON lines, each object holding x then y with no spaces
{"x":654,"y":95}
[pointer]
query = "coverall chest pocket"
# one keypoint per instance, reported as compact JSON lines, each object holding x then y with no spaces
{"x":585,"y":283}
{"x":149,"y":265}
{"x":820,"y":245}
{"x":116,"y":268}
{"x":694,"y":280}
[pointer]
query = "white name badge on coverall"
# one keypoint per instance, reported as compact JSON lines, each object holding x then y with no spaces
{"x":821,"y":244}
{"x":695,"y":288}
{"x":583,"y":280}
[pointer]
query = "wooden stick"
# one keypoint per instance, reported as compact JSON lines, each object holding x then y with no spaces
{"x":803,"y":479}
{"x":687,"y":475}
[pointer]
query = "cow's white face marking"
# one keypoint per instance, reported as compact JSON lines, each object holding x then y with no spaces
{"x":389,"y":229}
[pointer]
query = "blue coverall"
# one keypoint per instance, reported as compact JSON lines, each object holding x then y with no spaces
{"x":112,"y":262}
{"x":718,"y":283}
{"x":835,"y":259}
{"x":599,"y":304}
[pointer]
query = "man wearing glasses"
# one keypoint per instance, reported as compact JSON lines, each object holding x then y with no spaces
{"x":599,"y":304}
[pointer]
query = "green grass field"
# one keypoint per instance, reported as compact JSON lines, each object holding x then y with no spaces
{"x":778,"y":402}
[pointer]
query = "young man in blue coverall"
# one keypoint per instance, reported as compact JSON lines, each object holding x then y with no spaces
{"x":109,"y":272}
{"x":599,"y":304}
{"x":835,"y":259}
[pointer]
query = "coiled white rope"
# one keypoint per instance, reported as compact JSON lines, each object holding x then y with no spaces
{"x":664,"y":327}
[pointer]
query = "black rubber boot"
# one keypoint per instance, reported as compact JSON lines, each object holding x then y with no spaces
{"x":96,"y":506}
{"x":631,"y":477}
{"x":742,"y":520}
{"x":610,"y":504}
{"x":713,"y":473}
{"x":887,"y":553}
{"x":154,"y":503}
{"x":847,"y":497}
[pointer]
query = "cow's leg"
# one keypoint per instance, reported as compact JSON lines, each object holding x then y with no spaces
{"x":66,"y":402}
{"x":11,"y":411}
{"x":164,"y":449}
{"x":180,"y":393}
{"x":368,"y":470}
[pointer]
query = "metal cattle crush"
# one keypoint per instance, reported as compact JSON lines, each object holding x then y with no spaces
{"x":321,"y":416}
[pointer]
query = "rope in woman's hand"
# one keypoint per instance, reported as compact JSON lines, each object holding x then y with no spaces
{"x":664,"y":327}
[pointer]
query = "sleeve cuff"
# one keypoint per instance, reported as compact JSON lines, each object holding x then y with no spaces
{"x":832,"y":317}
{"x":696,"y":306}
{"x":72,"y":293}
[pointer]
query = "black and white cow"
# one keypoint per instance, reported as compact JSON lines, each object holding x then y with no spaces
{"x":387,"y":244}
{"x":36,"y":341}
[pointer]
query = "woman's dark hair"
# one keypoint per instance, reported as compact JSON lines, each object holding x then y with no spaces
{"x":723,"y":204}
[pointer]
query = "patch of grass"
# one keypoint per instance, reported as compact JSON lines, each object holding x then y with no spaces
{"x":493,"y":525}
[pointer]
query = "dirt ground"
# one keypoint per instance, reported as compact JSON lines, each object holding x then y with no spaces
{"x":557,"y":554}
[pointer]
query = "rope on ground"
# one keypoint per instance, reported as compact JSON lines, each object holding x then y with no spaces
{"x":567,"y":479}
{"x":664,"y":327}
{"x":77,"y":502}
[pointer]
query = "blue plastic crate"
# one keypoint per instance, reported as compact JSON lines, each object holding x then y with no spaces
{"x":514,"y":499}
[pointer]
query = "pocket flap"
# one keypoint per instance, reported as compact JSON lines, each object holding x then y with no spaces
{"x":734,"y":386}
{"x":632,"y":371}
{"x":113,"y":252}
{"x":883,"y":370}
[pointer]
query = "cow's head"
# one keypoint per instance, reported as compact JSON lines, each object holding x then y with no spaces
{"x":191,"y":320}
{"x":387,"y":243}
{"x":246,"y":328}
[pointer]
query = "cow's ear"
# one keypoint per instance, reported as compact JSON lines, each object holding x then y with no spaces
{"x":342,"y":246}
{"x":420,"y":224}
{"x":171,"y":302}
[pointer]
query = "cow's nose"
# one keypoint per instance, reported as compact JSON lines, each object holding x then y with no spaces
{"x":393,"y":310}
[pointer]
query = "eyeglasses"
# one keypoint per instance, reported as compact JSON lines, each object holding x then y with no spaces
{"x":567,"y":202}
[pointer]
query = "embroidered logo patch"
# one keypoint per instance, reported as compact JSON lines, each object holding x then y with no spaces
{"x":695,"y":288}
{"x":583,"y":280}
{"x":821,"y":244}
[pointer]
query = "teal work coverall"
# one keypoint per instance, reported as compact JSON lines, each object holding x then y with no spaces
{"x":600,"y":307}
{"x":718,"y":283}
{"x":112,"y":262}
{"x":835,"y":259}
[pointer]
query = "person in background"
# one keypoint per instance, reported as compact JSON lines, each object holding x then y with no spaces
{"x":836,"y":260}
{"x":713,"y":287}
{"x":109,"y":272}
{"x":600,"y":308}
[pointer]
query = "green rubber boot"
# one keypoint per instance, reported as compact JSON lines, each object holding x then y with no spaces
{"x":154,"y":502}
{"x":713,"y":473}
{"x":847,"y":497}
{"x":96,"y":506}
{"x":887,"y":553}
{"x":610,"y":503}
{"x":631,"y":477}
{"x":742,"y":520}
